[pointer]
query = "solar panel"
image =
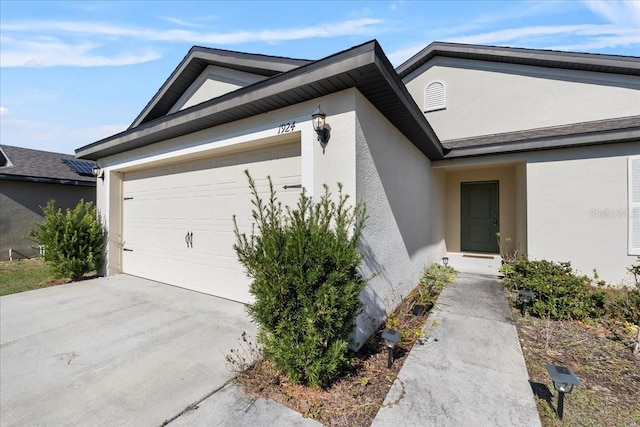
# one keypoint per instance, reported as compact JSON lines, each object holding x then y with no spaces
{"x":82,"y":167}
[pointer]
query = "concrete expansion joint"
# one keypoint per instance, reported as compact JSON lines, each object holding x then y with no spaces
{"x":195,"y":405}
{"x":492,"y":319}
{"x":403,"y":392}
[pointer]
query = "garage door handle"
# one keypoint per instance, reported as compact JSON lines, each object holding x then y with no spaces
{"x":189,"y":239}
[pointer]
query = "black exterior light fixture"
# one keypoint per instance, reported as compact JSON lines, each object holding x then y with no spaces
{"x":391,"y":338}
{"x":445,"y":260}
{"x":526,"y":296}
{"x":318,"y":119}
{"x":563,"y":379}
{"x":98,"y":172}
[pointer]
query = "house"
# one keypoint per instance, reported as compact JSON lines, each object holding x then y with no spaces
{"x":28,"y":180}
{"x":459,"y":143}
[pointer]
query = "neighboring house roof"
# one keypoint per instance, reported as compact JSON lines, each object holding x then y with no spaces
{"x":364,"y":67}
{"x":536,"y":57}
{"x":623,"y":129}
{"x":24,"y":164}
{"x":197,"y":59}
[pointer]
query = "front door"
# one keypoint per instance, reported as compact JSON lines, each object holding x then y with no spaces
{"x":479,"y":216}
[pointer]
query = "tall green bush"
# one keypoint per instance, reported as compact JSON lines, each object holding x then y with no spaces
{"x":73,"y":240}
{"x":303,"y":262}
{"x":558,"y":293}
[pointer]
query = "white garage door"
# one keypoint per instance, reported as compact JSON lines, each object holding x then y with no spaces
{"x":177,"y":219}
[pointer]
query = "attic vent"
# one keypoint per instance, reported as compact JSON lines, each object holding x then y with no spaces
{"x":434,"y":97}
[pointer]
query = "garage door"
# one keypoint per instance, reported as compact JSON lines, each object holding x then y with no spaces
{"x":177,"y":219}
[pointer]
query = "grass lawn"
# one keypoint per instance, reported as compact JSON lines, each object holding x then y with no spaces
{"x":23,"y":275}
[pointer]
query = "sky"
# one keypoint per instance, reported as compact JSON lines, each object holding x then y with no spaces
{"x":74,"y":72}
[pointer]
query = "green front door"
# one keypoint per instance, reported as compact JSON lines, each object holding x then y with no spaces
{"x":479,"y":216}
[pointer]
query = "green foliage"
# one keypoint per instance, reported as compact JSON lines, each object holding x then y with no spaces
{"x":558,"y":293}
{"x":623,"y":304}
{"x":73,"y":241}
{"x":635,"y":272}
{"x":303,"y":262}
{"x":426,"y":293}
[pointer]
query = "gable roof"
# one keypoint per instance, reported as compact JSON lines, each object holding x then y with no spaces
{"x":616,"y":64}
{"x":609,"y":131}
{"x":364,"y":67}
{"x":25,"y":164}
{"x":193,"y":64}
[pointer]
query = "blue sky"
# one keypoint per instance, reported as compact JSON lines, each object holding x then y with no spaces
{"x":74,"y":72}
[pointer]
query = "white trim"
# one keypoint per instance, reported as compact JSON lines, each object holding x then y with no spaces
{"x":435,"y":96}
{"x":633,"y":211}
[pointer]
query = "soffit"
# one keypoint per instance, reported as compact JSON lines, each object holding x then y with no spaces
{"x":363,"y":67}
{"x":615,"y":64}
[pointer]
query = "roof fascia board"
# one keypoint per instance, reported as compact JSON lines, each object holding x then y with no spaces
{"x":595,"y":138}
{"x":368,"y":56}
{"x":258,"y":64}
{"x":266,"y":88}
{"x":552,"y":59}
{"x":77,"y":183}
{"x":393,"y":79}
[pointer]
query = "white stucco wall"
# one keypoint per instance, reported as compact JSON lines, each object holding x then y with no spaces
{"x":484,"y":98}
{"x":213,"y":82}
{"x":401,"y":192}
{"x":577,"y":209}
{"x":336,"y":164}
{"x":508,"y":219}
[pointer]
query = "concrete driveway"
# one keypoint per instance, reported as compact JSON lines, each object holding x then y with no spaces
{"x":112,"y":351}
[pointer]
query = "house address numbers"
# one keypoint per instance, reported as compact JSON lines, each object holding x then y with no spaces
{"x":286,"y":127}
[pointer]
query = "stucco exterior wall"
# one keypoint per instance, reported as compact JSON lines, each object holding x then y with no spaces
{"x":20,"y":210}
{"x":507,"y":203}
{"x":213,"y":82}
{"x":335,"y":164}
{"x":577,"y":209}
{"x":396,"y":182}
{"x":484,"y":98}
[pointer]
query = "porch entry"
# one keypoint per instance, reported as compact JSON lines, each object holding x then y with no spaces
{"x":479,"y":216}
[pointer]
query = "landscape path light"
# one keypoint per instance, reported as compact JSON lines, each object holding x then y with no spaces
{"x":563,"y":379}
{"x":526,"y":296}
{"x":391,"y":338}
{"x":445,"y":260}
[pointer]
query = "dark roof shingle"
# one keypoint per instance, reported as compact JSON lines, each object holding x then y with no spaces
{"x":26,"y":163}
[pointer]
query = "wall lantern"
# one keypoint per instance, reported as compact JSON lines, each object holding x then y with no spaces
{"x":563,"y":379}
{"x":391,"y":338}
{"x":445,"y":260}
{"x":526,"y":296}
{"x":322,"y":130}
{"x":98,"y":172}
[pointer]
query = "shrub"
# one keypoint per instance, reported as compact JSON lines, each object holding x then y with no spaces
{"x":73,"y":241}
{"x":558,"y":293}
{"x":303,"y":262}
{"x":624,"y":304}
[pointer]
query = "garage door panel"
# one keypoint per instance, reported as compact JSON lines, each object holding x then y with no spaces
{"x":200,"y":197}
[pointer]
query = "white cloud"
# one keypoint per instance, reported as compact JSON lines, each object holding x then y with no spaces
{"x":621,"y":29}
{"x":54,"y":137}
{"x":4,"y":111}
{"x":49,"y":52}
{"x":181,"y":22}
{"x":625,"y":12}
{"x":349,"y":27}
{"x":21,"y":48}
{"x":575,"y":37}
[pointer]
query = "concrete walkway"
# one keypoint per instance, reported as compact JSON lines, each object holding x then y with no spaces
{"x":468,"y":370}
